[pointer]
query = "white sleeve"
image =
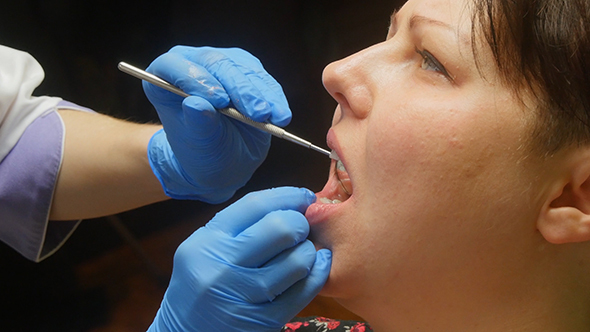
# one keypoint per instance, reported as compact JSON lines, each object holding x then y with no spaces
{"x":20,"y":74}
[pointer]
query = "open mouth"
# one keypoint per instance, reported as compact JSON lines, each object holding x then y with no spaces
{"x":339,"y":187}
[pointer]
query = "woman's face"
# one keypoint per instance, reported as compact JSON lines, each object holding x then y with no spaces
{"x":443,"y":196}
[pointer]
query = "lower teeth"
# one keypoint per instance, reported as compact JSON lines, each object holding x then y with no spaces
{"x":329,"y":201}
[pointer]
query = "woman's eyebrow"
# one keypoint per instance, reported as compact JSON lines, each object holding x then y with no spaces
{"x":417,"y":20}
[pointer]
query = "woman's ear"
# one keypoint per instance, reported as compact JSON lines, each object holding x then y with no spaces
{"x":565,"y":217}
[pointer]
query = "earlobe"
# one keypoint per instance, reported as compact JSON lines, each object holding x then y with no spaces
{"x":565,"y":224}
{"x":565,"y":217}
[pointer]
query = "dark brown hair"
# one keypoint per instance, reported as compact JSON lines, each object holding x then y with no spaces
{"x":543,"y":46}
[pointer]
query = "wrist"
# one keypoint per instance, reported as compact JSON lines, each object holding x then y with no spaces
{"x":174,"y":180}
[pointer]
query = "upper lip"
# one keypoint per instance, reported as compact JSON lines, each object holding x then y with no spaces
{"x":332,"y":141}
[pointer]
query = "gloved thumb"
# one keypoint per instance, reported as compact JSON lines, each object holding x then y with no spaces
{"x":202,"y":117}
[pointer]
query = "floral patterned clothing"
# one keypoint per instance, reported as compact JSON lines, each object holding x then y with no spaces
{"x":321,"y":324}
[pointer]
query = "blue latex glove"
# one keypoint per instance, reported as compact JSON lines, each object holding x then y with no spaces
{"x":202,"y":154}
{"x":249,"y":269}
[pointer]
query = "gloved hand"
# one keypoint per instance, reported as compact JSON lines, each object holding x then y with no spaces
{"x":249,"y":269}
{"x":202,"y":154}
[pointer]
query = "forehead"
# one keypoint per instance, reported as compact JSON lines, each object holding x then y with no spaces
{"x":455,"y":13}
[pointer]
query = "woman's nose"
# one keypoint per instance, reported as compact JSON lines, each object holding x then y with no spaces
{"x":349,"y":82}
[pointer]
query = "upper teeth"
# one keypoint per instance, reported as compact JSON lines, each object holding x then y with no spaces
{"x":343,"y":178}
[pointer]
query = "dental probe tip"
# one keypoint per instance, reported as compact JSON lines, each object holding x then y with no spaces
{"x":334,"y":155}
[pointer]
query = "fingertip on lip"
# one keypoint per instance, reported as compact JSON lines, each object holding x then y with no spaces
{"x":311,"y":196}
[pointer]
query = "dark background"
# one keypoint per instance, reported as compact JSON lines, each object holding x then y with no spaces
{"x":79,"y":44}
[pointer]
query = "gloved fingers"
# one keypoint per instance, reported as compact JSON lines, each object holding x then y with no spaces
{"x":248,"y":95}
{"x":190,"y":77}
{"x":274,"y":233}
{"x":264,"y":284}
{"x":280,"y":112}
{"x":294,"y":299}
{"x":210,"y":55}
{"x":254,"y":206}
{"x":255,"y":93}
{"x":204,"y":121}
{"x":287,"y":268}
{"x":252,"y":90}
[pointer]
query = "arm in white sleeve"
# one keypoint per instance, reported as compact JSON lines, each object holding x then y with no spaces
{"x":30,"y":158}
{"x":20,"y":74}
{"x":61,"y":161}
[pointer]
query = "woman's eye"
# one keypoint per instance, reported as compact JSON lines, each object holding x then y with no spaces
{"x":429,"y":62}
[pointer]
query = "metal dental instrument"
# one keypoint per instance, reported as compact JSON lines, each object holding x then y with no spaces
{"x":231,"y":112}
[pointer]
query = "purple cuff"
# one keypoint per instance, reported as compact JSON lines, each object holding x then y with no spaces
{"x":28,"y":176}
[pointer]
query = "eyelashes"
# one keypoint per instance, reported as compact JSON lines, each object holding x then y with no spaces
{"x":429,"y":62}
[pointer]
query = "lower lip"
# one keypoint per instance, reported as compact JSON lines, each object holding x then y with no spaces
{"x":319,"y":212}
